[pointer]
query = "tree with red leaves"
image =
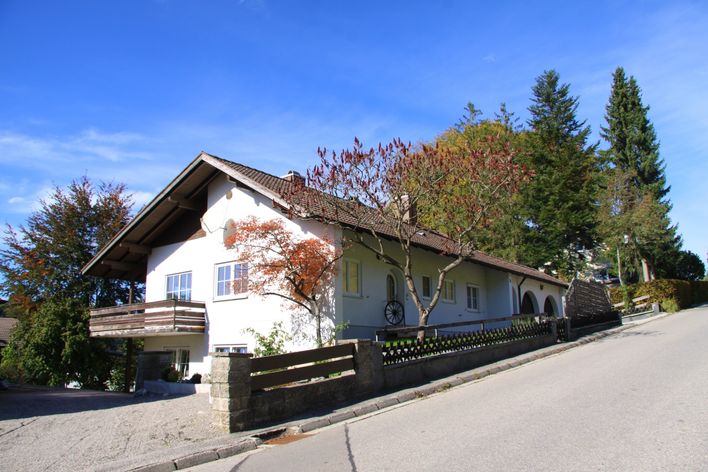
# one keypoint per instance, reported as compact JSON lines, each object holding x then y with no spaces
{"x":299,"y":270}
{"x":372,"y":195}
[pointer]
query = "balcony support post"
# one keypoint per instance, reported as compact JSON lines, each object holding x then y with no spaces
{"x":129,"y":345}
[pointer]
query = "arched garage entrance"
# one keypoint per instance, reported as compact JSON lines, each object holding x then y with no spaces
{"x":529,"y":305}
{"x":549,"y":307}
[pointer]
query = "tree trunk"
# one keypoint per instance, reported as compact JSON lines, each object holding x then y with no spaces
{"x":128,"y":362}
{"x":619,"y":267}
{"x":423,"y":322}
{"x":647,"y":272}
{"x":318,"y":324}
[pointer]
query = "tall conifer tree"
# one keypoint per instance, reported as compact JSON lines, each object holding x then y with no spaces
{"x":634,"y":151}
{"x":560,"y":200}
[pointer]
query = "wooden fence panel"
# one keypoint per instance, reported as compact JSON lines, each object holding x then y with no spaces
{"x":282,"y":361}
{"x":271,"y":379}
{"x":586,"y":298}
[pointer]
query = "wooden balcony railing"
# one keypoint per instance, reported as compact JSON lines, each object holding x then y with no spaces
{"x":167,"y":317}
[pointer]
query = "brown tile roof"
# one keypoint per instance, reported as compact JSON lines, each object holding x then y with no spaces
{"x":423,"y":238}
{"x":6,"y":327}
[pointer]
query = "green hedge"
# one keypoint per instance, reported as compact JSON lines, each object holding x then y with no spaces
{"x":667,"y":292}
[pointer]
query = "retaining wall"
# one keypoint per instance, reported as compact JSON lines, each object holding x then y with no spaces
{"x":428,"y":368}
{"x":235,"y":407}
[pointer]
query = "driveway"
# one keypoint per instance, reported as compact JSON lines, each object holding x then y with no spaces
{"x":69,"y":430}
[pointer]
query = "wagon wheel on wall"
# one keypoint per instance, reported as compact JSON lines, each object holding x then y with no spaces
{"x":394,"y":312}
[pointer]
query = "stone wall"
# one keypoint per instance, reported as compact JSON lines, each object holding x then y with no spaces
{"x":236,"y":408}
{"x":428,"y":368}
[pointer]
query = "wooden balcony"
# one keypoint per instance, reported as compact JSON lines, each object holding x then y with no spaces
{"x":139,"y":320}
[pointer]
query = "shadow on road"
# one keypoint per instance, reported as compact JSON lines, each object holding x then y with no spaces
{"x":630,"y":334}
{"x":17,"y":403}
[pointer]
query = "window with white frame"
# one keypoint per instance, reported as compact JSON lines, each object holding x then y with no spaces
{"x":239,"y":348}
{"x":179,"y":286}
{"x":472,"y":297}
{"x":427,"y":287}
{"x":351,"y":275}
{"x":448,"y":294}
{"x":180,"y":360}
{"x":231,"y":279}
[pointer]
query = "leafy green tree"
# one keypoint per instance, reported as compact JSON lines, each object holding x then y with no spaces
{"x":40,"y":272}
{"x":559,"y":202}
{"x":634,"y":150}
{"x":684,"y":265}
{"x":504,"y":236}
{"x":52,"y":346}
{"x":631,"y":221}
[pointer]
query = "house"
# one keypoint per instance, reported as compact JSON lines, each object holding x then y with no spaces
{"x":6,"y":326}
{"x":196,"y":297}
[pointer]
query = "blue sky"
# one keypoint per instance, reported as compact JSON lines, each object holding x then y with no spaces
{"x":131,"y":91}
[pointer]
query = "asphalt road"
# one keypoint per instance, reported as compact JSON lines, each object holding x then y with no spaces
{"x":636,"y":401}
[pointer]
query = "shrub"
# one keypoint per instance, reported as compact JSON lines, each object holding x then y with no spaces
{"x":196,"y":379}
{"x":169,"y":374}
{"x":272,"y":343}
{"x":661,"y":291}
{"x":670,"y":293}
{"x":623,"y":294}
{"x":699,"y":291}
{"x":670,"y":305}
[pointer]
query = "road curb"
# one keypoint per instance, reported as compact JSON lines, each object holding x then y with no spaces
{"x":411,"y":394}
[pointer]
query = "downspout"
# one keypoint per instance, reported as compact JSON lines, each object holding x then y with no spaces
{"x":518,"y":289}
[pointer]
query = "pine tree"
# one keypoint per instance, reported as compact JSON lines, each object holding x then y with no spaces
{"x":560,"y":201}
{"x":634,"y":150}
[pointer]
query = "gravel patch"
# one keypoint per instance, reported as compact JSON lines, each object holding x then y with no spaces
{"x":68,"y":430}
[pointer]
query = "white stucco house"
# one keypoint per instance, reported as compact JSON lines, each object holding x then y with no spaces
{"x":196,"y":294}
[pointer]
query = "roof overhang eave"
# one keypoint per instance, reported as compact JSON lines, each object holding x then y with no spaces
{"x":551,"y":281}
{"x":142,"y":214}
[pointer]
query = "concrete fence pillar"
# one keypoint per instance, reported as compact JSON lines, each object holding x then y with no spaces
{"x":368,"y":364}
{"x":230,"y":390}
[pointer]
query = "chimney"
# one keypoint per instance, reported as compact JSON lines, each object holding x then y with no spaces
{"x":410,"y":210}
{"x":294,"y":176}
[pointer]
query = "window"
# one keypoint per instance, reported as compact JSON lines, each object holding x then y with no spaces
{"x":179,"y":286}
{"x":239,"y":348}
{"x":351,"y":275}
{"x":472,"y":298}
{"x":426,"y":286}
{"x":391,"y":288}
{"x":448,"y":294}
{"x":231,"y":279}
{"x":180,"y":360}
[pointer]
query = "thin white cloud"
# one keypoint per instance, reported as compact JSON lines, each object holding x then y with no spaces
{"x":141,"y":198}
{"x":26,"y":151}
